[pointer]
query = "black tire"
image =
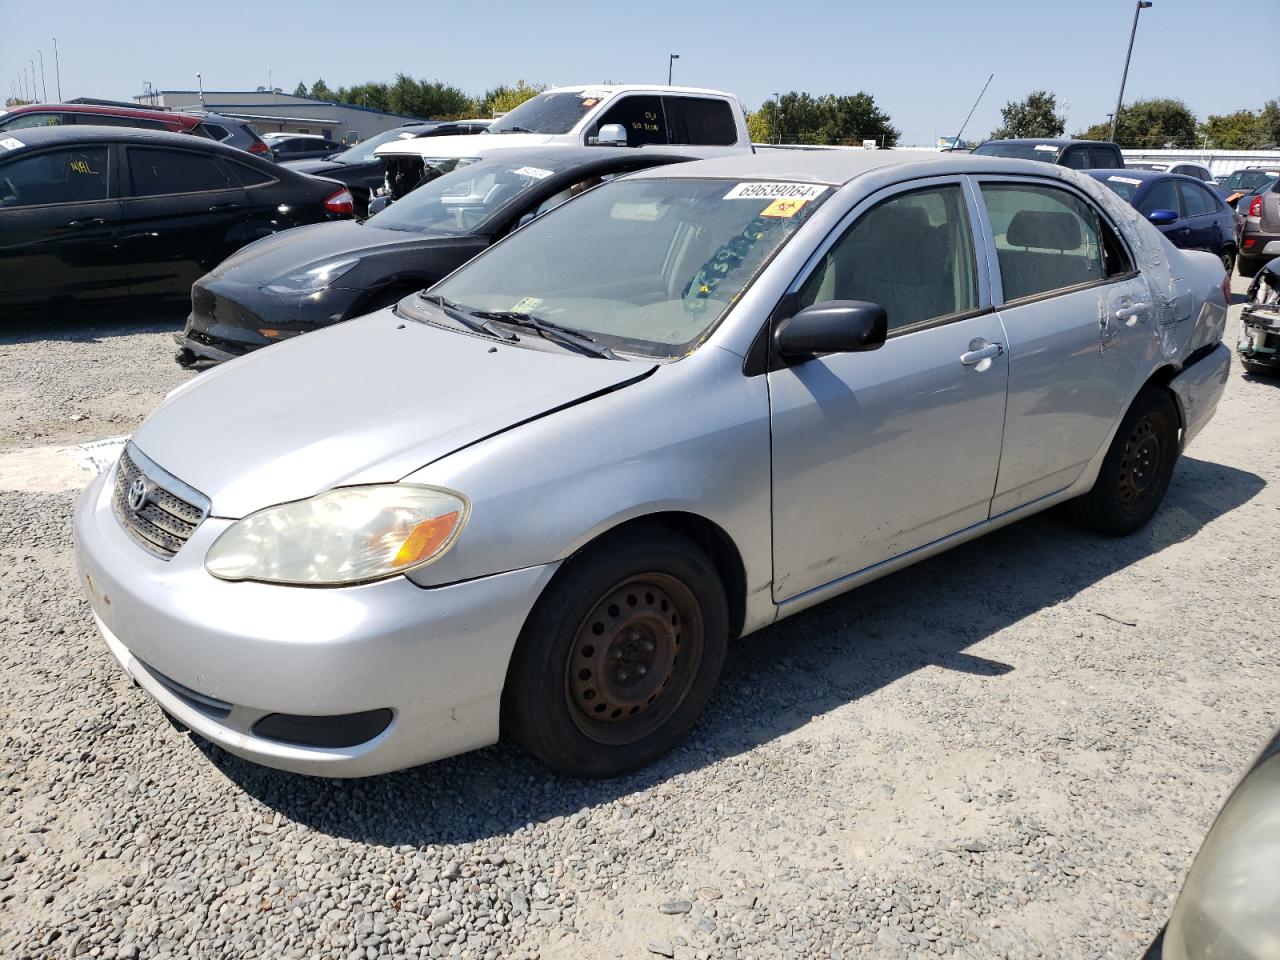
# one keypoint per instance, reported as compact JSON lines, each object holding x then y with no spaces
{"x":619,"y":656}
{"x":1260,"y":369}
{"x":1228,"y":258}
{"x":1248,"y":266}
{"x":1136,"y":471}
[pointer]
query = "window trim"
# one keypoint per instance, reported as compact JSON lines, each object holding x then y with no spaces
{"x":126,"y":169}
{"x":989,"y":240}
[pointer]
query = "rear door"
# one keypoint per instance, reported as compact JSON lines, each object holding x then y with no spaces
{"x":59,"y":226}
{"x":1079,"y":320}
{"x":700,"y":121}
{"x":876,"y":454}
{"x":181,"y":210}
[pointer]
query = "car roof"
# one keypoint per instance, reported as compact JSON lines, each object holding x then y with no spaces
{"x":31,"y":138}
{"x":183,"y":119}
{"x":839,"y":166}
{"x":612,"y":88}
{"x":1056,"y":141}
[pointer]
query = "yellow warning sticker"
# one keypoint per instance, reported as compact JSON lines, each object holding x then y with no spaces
{"x":783,"y":208}
{"x":526,"y":304}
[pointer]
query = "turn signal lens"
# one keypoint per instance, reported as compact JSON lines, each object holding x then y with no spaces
{"x":425,"y":539}
{"x":1255,"y":207}
{"x":340,"y":202}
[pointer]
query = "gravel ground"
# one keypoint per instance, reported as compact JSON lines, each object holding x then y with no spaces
{"x":1011,"y":750}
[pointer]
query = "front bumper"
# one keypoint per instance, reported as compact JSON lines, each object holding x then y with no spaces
{"x":222,"y":656}
{"x":1260,"y":336}
{"x":1199,"y":387}
{"x":230,"y":319}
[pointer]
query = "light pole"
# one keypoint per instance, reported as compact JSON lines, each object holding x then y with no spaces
{"x":57,"y":70}
{"x":671,"y":59}
{"x":1115,"y":117}
{"x":777,"y":118}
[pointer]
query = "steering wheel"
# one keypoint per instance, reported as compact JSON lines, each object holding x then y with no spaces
{"x":10,"y":189}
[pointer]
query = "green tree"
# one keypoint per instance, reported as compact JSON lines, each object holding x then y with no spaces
{"x":1242,"y":130}
{"x":758,"y":127}
{"x":503,"y":98}
{"x":1155,"y":123}
{"x":375,"y":96}
{"x":828,"y":120}
{"x":300,"y":90}
{"x":320,"y":90}
{"x":1035,"y":116}
{"x":1269,"y":123}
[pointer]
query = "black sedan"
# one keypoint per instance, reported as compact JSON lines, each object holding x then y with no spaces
{"x":98,"y":214}
{"x":320,"y":275}
{"x":361,"y":171}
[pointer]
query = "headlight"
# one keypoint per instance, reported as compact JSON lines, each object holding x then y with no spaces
{"x":348,"y":535}
{"x":309,"y":281}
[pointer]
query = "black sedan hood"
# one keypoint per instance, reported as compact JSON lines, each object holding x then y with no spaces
{"x":292,"y":251}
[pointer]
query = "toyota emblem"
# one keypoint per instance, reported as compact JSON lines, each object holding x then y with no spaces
{"x":138,"y":494}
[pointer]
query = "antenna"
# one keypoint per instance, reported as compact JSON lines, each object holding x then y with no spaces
{"x":971,"y":109}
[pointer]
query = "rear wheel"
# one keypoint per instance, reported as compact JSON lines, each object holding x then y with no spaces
{"x":1262,"y":369}
{"x":1136,"y":471}
{"x":1228,"y":258}
{"x":1248,"y":266}
{"x":620,"y":657}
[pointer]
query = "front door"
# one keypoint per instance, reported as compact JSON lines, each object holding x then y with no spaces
{"x":59,"y":227}
{"x":1079,"y":320}
{"x":179,"y":210}
{"x":878,"y":453}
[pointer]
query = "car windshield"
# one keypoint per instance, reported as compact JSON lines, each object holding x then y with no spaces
{"x":1126,"y":187}
{"x":363,"y":152}
{"x":1247,"y":180}
{"x":1019,"y":151}
{"x":548,"y":113}
{"x":642,"y":266}
{"x":460,"y":200}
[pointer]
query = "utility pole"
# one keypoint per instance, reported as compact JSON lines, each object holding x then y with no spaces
{"x":57,"y":71}
{"x":671,"y":58}
{"x":34,"y":88}
{"x":44,"y":87}
{"x":1115,"y":117}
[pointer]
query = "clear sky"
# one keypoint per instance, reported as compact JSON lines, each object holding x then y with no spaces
{"x":924,"y":61}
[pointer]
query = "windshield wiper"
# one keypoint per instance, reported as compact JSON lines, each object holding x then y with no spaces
{"x":550,"y":331}
{"x":468,"y":319}
{"x":517,"y":129}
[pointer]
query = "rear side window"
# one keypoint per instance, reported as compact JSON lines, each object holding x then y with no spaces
{"x":250,"y":176}
{"x":699,"y":121}
{"x":1046,"y":239}
{"x":1077,"y":158}
{"x":642,"y":117}
{"x":156,"y":172}
{"x":1196,"y":200}
{"x":912,"y":254}
{"x":1102,"y":158}
{"x":74,"y":175}
{"x":214,"y":132}
{"x":1163,"y":196}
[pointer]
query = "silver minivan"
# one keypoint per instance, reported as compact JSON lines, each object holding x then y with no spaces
{"x":544,"y":496}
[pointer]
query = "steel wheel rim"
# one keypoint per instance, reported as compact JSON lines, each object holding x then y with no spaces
{"x":1141,"y":461}
{"x":634,"y":658}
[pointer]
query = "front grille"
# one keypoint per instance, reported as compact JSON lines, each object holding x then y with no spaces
{"x":171,"y":511}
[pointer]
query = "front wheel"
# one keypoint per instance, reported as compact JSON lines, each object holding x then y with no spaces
{"x":620,"y":656}
{"x":1228,"y":258}
{"x":1137,"y":469}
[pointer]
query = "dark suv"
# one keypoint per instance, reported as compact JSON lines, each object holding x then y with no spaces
{"x":234,"y":133}
{"x":1076,"y":154}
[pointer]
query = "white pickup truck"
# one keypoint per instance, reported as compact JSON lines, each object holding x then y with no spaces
{"x":705,"y":122}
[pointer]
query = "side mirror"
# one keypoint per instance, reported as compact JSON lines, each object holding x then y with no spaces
{"x":1162,"y":218}
{"x":378,"y":203}
{"x":612,"y":135}
{"x":837,"y":326}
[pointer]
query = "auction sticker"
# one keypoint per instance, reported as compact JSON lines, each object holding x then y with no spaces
{"x":11,"y":143}
{"x":776,"y":191}
{"x":1046,"y":147}
{"x":1129,"y":180}
{"x":536,"y":172}
{"x":783,"y":208}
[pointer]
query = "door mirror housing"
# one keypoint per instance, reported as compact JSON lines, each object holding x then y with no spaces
{"x":612,"y":135}
{"x":836,"y":326}
{"x":1162,"y":218}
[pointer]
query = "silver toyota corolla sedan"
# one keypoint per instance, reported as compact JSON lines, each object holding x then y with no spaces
{"x":542,"y":497}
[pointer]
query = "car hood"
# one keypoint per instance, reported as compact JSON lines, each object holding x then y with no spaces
{"x":467,"y":145}
{"x":367,"y":401}
{"x":291,"y":251}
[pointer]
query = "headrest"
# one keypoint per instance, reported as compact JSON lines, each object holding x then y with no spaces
{"x":1051,"y":229}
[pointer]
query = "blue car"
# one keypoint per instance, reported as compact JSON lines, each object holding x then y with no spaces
{"x":1190,"y":214}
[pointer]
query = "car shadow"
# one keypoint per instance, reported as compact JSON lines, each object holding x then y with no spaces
{"x":774,"y":682}
{"x":84,"y":326}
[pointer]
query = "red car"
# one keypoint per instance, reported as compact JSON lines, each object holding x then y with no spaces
{"x":234,"y":133}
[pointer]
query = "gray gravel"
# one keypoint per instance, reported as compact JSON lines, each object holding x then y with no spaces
{"x":1008,"y":751}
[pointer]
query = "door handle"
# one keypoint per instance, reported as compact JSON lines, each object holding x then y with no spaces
{"x":87,"y":222}
{"x":220,"y":207}
{"x":1131,"y":313}
{"x":979,"y":351}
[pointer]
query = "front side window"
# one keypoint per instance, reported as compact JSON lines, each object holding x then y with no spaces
{"x":697,"y":120}
{"x":1046,"y":239}
{"x":1102,"y":157}
{"x":645,"y":266}
{"x":912,"y":254}
{"x":641,"y":116}
{"x":1196,"y":200}
{"x":154,"y":172}
{"x":1162,"y":196}
{"x":74,"y":175}
{"x":115,"y":120}
{"x":1016,"y":150}
{"x":1077,"y":158}
{"x":23,"y":121}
